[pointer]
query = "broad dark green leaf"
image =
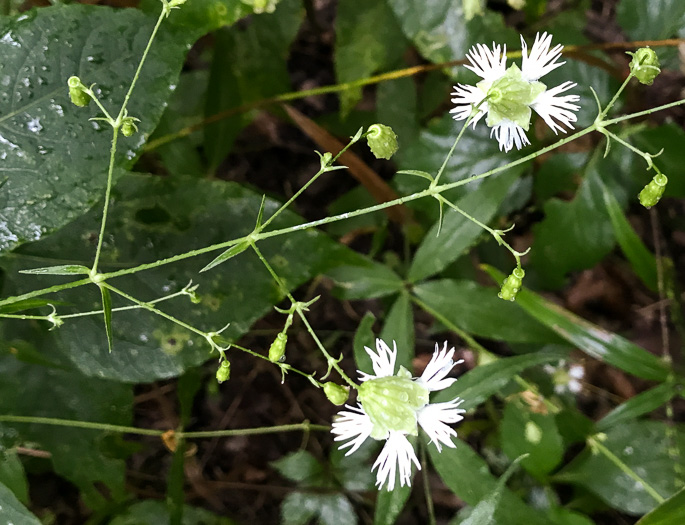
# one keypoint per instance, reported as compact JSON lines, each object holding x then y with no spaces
{"x":670,"y":512}
{"x":199,"y":17}
{"x":155,"y":512}
{"x":439,"y":30}
{"x":643,"y":447}
{"x":591,"y":339}
{"x":301,"y":467}
{"x":399,"y":328}
{"x":640,"y":258}
{"x":249,"y":64}
{"x":477,"y":310}
{"x":54,"y":160}
{"x":396,"y":106}
{"x":364,"y":337}
{"x":76,"y":454}
{"x":299,"y":508}
{"x":651,"y":20}
{"x":65,"y":269}
{"x":13,"y":512}
{"x":525,"y":431}
{"x":367,"y":281}
{"x":478,"y":384}
{"x":468,"y":476}
{"x":639,"y":405}
{"x":389,"y":505}
{"x":153,"y":218}
{"x":458,"y":233}
{"x":12,"y":475}
{"x":367,"y":40}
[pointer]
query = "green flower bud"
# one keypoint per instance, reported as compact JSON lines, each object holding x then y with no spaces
{"x":277,"y":348}
{"x":651,"y":194}
{"x":645,"y":65}
{"x":223,"y":372}
{"x":382,"y":141}
{"x":335,"y":393}
{"x":77,"y":92}
{"x":512,"y":285}
{"x":128,"y":126}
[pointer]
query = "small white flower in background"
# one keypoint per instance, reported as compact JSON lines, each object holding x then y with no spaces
{"x":507,"y":95}
{"x":566,"y":379}
{"x":390,"y":406}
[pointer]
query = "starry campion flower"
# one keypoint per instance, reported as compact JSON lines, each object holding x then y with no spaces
{"x":390,"y":408}
{"x":506,"y":96}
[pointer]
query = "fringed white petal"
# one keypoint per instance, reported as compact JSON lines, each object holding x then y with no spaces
{"x":509,"y":135}
{"x":554,"y":108}
{"x":383,"y":360}
{"x":434,"y":418}
{"x":486,"y":63}
{"x":353,"y":426}
{"x":396,"y":457}
{"x":541,"y":59}
{"x":434,"y":377}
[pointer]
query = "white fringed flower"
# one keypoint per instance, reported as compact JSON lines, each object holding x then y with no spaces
{"x":392,"y":406}
{"x":506,"y":96}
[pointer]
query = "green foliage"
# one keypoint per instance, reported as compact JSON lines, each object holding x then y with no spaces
{"x":54,"y":160}
{"x":643,"y":446}
{"x":13,"y":511}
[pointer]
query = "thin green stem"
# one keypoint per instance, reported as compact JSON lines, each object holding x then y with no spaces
{"x":122,"y":111}
{"x":456,"y":141}
{"x":426,"y":485}
{"x":646,"y":156}
{"x":121,"y":429}
{"x":108,"y":191}
{"x":495,"y":234}
{"x":309,"y":183}
{"x":79,"y":424}
{"x":595,"y":443}
{"x":305,"y":425}
{"x":611,"y":103}
{"x":95,"y":99}
{"x":332,"y":363}
{"x":328,"y":220}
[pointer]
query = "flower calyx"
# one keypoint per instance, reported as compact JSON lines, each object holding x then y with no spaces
{"x":336,"y":394}
{"x":78,"y":92}
{"x":645,"y":65}
{"x":223,"y":373}
{"x":382,"y":141}
{"x":511,"y":285}
{"x":653,"y":191}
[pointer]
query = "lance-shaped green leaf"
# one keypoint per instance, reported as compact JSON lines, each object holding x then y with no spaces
{"x":478,"y":384}
{"x":389,"y":505}
{"x":639,"y":405}
{"x":590,"y":338}
{"x":107,"y":312}
{"x":64,"y":269}
{"x":228,"y":254}
{"x":640,"y":258}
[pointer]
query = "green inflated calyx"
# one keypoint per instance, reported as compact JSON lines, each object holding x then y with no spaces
{"x":223,"y":372}
{"x":651,"y":194}
{"x":512,"y":285}
{"x":382,"y":141}
{"x":335,"y":393}
{"x":391,"y":403}
{"x":645,"y":65}
{"x":277,"y":348}
{"x":77,"y":92}
{"x":510,"y":97}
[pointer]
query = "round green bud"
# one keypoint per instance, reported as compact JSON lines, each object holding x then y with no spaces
{"x":335,"y":393}
{"x":277,"y":348}
{"x":223,"y":372}
{"x":645,"y":65}
{"x":651,"y":194}
{"x":382,"y":141}
{"x":76,"y":92}
{"x":128,"y":128}
{"x":512,"y":285}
